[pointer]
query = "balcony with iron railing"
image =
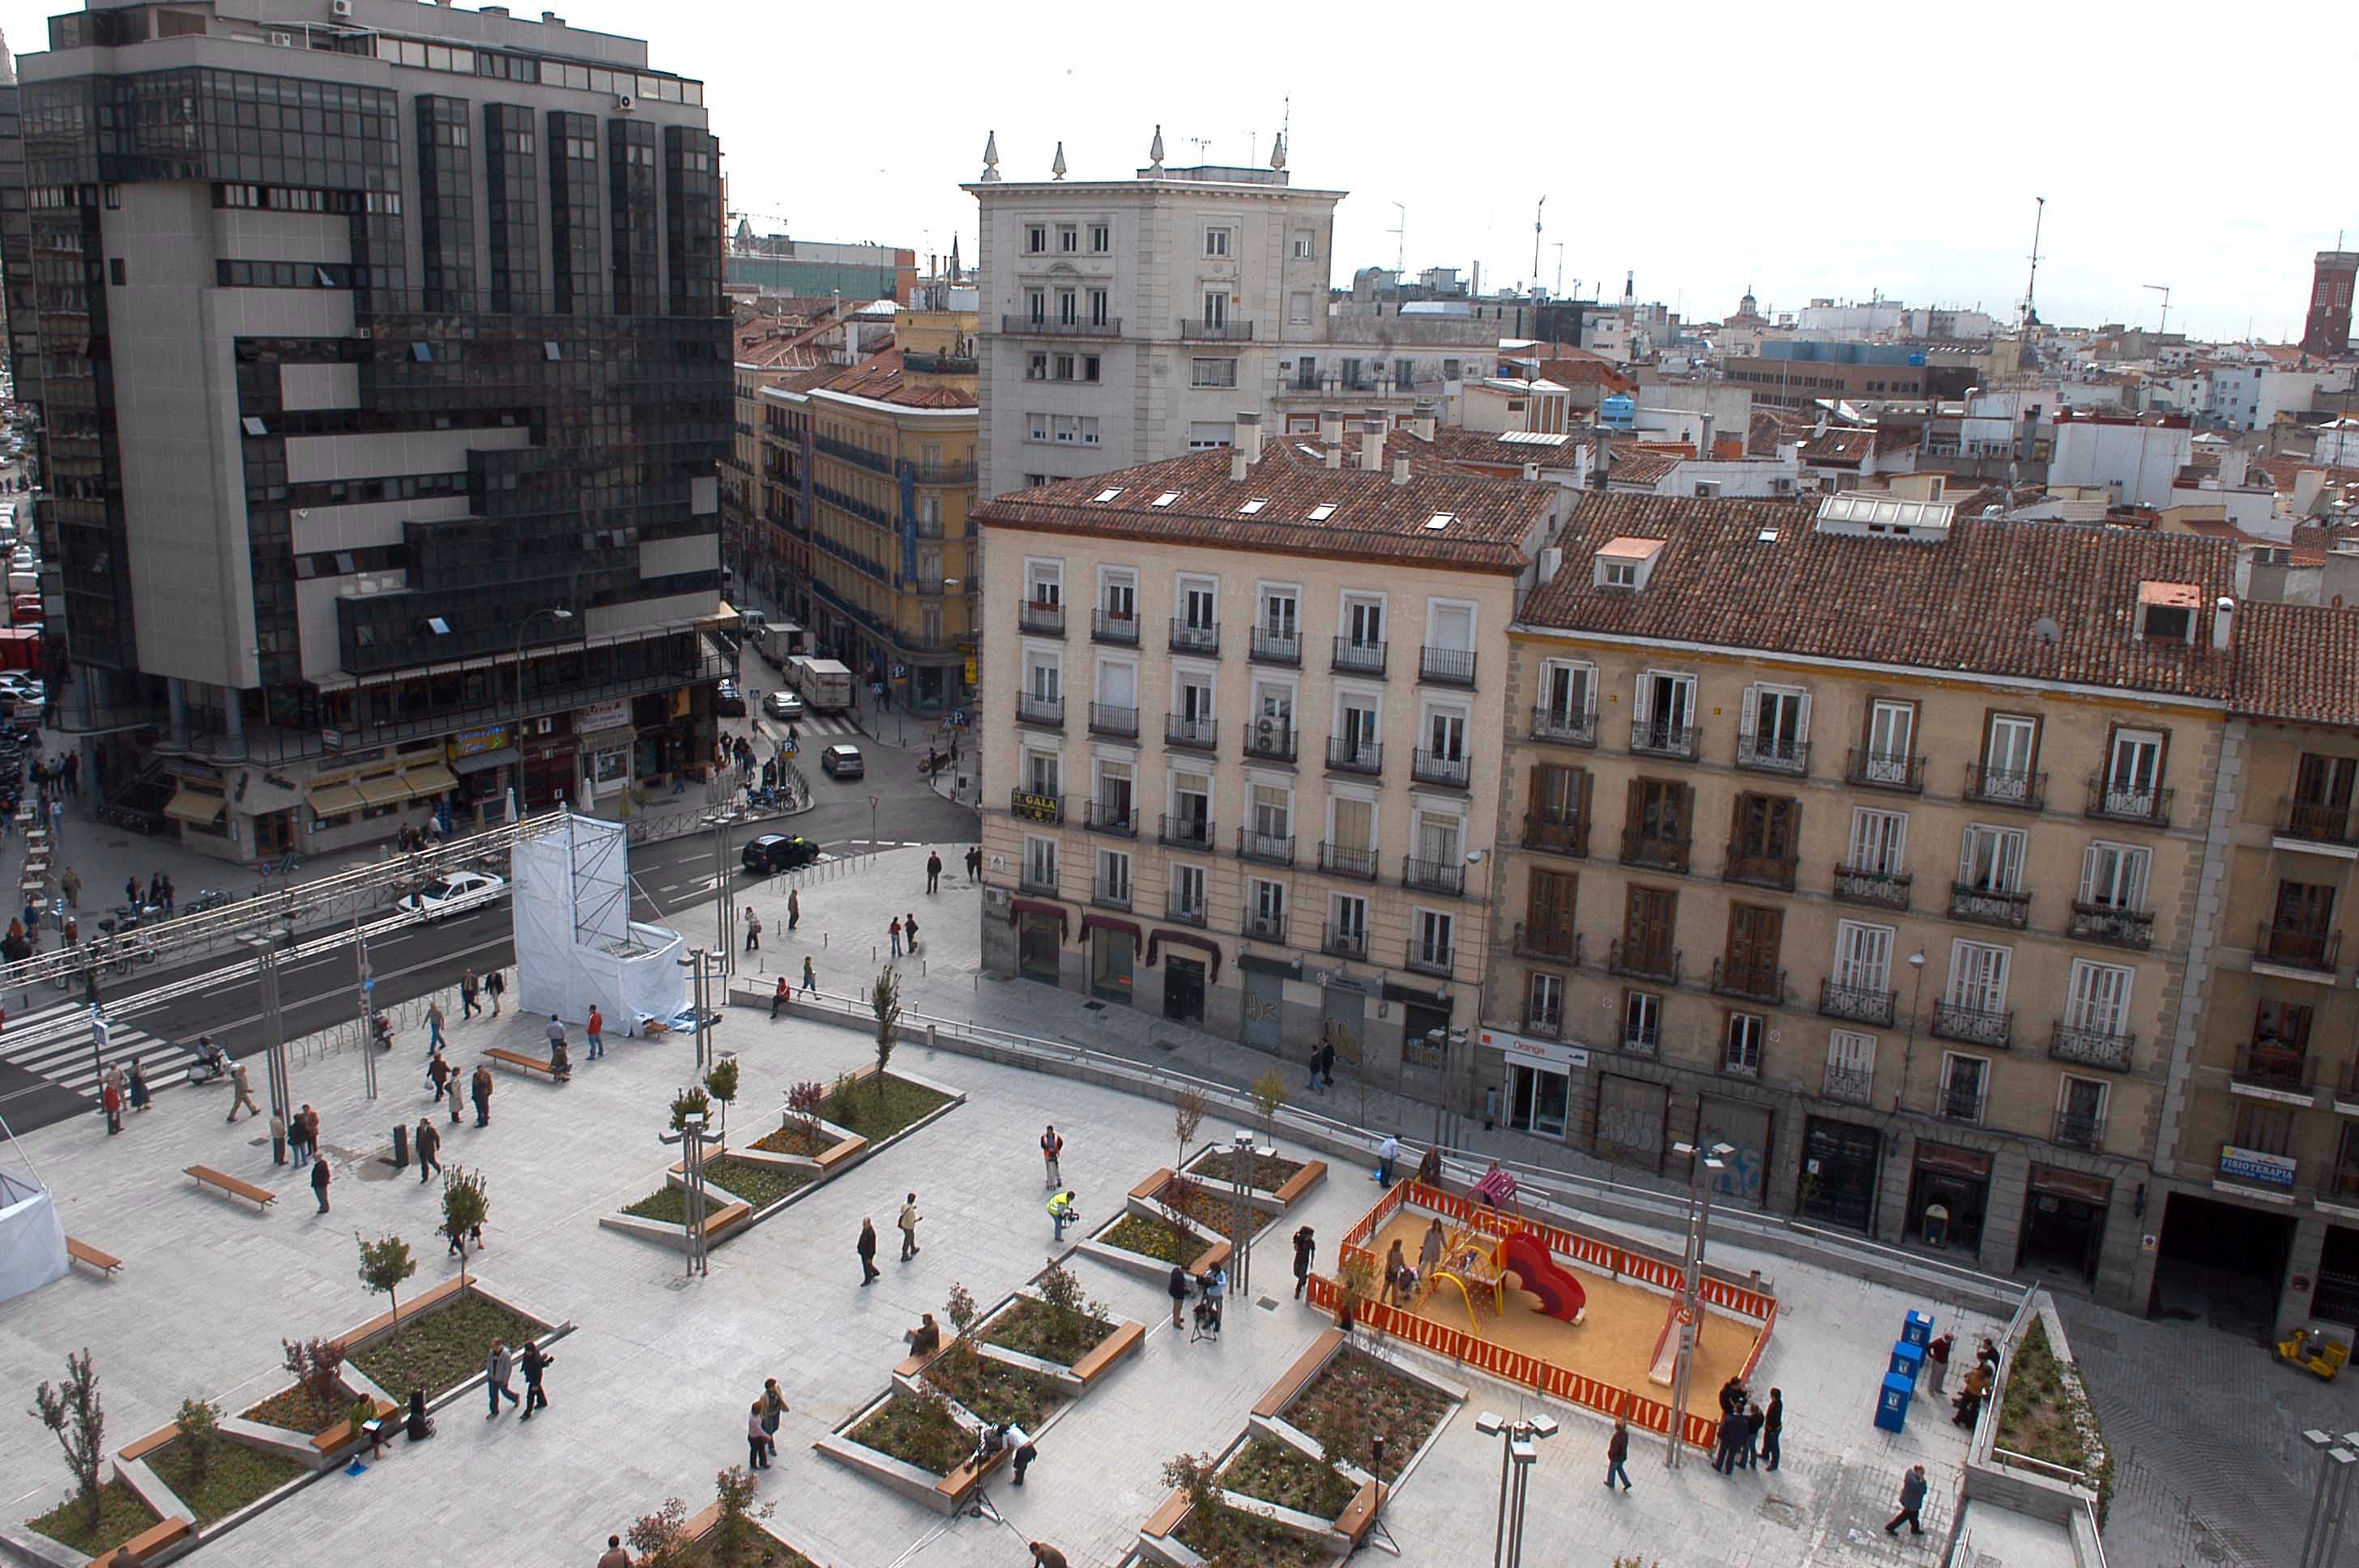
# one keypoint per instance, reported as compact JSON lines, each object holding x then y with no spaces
{"x":1558,"y":833}
{"x":1987,"y":786}
{"x":1194,"y":734}
{"x":1029,"y":807}
{"x":1852,"y":1085}
{"x":1109,"y":626}
{"x":1865,"y":884}
{"x":1446,"y":666}
{"x":1202,"y":641}
{"x":2308,"y":821}
{"x":1263,"y":924}
{"x":1872,"y":769}
{"x":1269,"y":647}
{"x":1655,"y":738}
{"x":1270,"y":740}
{"x":1642,"y":961}
{"x":2010,"y":907}
{"x":1344,"y":941}
{"x":1357,"y":658}
{"x":1429,"y":957}
{"x":1345,"y":860}
{"x":1111,"y":719}
{"x":1992,"y":1029}
{"x":1961,"y":1099}
{"x":1115,"y":817}
{"x":2340,"y":1184}
{"x":1048,"y":327}
{"x":1441,"y":769}
{"x":2304,"y":952}
{"x":1663,"y":851}
{"x":1553,"y":939}
{"x":1543,"y":1020}
{"x":918,"y":363}
{"x":1187,"y":831}
{"x":2123,"y":800}
{"x":1048,"y":712}
{"x":2274,"y":1072}
{"x":1857,"y":1004}
{"x":1110,"y":892}
{"x":1434,"y":876}
{"x":1755,"y":869}
{"x":1345,"y":755}
{"x":1773,"y":753}
{"x":2080,"y":1129}
{"x":1040,"y":618}
{"x":1037,"y":879}
{"x":1565,"y":726}
{"x":845,"y":500}
{"x":2093,"y":1048}
{"x":1188,"y":909}
{"x":2114,"y":926}
{"x":1269,"y":849}
{"x":1748,"y":981}
{"x":1195,"y":330}
{"x":874,"y":462}
{"x":1640,"y":1039}
{"x":1739,"y":1059}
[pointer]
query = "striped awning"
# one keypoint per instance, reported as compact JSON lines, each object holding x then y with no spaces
{"x":386,"y":791}
{"x":338,"y":801}
{"x":191,"y":807}
{"x":431,"y":779}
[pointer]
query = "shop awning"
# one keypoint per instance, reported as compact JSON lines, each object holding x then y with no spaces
{"x":1186,"y":939}
{"x":199,"y":810}
{"x":1018,"y":907}
{"x":431,"y":779}
{"x":505,"y":757}
{"x":386,"y":791}
{"x":341,"y":801}
{"x":1119,"y":927}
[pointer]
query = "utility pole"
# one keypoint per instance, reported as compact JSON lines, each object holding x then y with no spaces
{"x":1400,"y":232}
{"x":699,"y":998}
{"x":690,"y":1140}
{"x":1242,"y":1161}
{"x":724,"y":893}
{"x":274,"y":1026}
{"x":99,"y":1031}
{"x":1536,"y":241}
{"x":367,"y":992}
{"x":1699,"y":1224}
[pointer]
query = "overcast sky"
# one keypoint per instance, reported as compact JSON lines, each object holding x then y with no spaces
{"x":1830,"y":150}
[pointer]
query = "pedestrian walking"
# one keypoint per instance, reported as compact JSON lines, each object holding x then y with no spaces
{"x":596,"y":1027}
{"x":110,"y":1098}
{"x":479,"y":1089}
{"x":1178,"y":1289}
{"x":167,"y":896}
{"x":896,"y":930}
{"x":810,"y":977}
{"x":1305,"y":1244}
{"x":867,"y":1248}
{"x":909,"y":1224}
{"x":1912,"y":1499}
{"x":1018,"y":1443}
{"x":1062,"y":1211}
{"x":1429,"y":1251}
{"x":773,"y":1406}
{"x":753,"y":931}
{"x":58,"y":823}
{"x":1047,"y":1556}
{"x":615,"y":1556}
{"x":498,"y":1367}
{"x":319,"y":1183}
{"x":535,"y":1364}
{"x":1327,"y":1065}
{"x":434,"y":1020}
{"x":1617,"y":1449}
{"x":1937,"y":1362}
{"x":1052,"y":1148}
{"x":497,"y":985}
{"x":934,"y":871}
{"x":429,"y":1148}
{"x":909,"y":931}
{"x":794,"y":909}
{"x":469,"y":989}
{"x":758,"y":1442}
{"x":137,"y":1088}
{"x":1773,"y":1429}
{"x":555,"y":1033}
{"x":70,"y":884}
{"x":1315,"y":1050}
{"x":1386,"y":1152}
{"x":438,"y":1074}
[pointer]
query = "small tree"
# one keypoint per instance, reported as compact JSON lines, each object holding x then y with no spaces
{"x":803,"y":1103}
{"x":884,"y":1001}
{"x":1269,"y":1094}
{"x":1187,"y":1109}
{"x":1196,"y":1477}
{"x":385,"y":1263}
{"x":1072,"y":1314}
{"x":721,"y":1083}
{"x":74,"y":1415}
{"x":733,"y":1533}
{"x":315,"y":1363}
{"x":691,"y":1101}
{"x":200,"y":1424}
{"x":963,"y":1312}
{"x":465,"y":1205}
{"x":1355,"y":1278}
{"x":656,"y":1539}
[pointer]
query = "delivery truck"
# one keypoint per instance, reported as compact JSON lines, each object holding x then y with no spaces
{"x":825,"y":684}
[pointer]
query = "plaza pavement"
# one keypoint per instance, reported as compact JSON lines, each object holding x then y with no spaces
{"x":648,"y":1394}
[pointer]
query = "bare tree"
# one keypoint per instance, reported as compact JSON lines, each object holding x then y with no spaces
{"x":72,"y":1413}
{"x":1187,"y":1109}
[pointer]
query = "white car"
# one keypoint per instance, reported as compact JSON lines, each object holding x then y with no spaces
{"x":453,"y":894}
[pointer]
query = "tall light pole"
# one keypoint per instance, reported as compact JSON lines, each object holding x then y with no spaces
{"x":554,"y":612}
{"x":366,"y":989}
{"x":2322,"y":1542}
{"x":691,"y":1140}
{"x":1691,"y":1283}
{"x":1908,"y":1051}
{"x":274,"y":1025}
{"x":1519,"y":1440}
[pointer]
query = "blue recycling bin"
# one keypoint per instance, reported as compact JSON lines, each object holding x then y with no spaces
{"x":1917,"y":1328}
{"x":1892,"y":1402}
{"x":1908,"y":1360}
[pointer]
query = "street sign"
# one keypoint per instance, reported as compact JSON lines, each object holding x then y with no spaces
{"x":872,"y":801}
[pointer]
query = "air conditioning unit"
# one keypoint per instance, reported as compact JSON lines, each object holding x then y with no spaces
{"x":282,"y":41}
{"x":340,"y":7}
{"x":623,"y":103}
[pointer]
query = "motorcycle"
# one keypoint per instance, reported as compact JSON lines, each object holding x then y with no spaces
{"x":206,"y":898}
{"x":212,"y":1063}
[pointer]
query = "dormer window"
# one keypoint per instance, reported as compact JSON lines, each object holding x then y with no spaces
{"x":1617,"y":574}
{"x":1626,"y":563}
{"x":2166,"y":612}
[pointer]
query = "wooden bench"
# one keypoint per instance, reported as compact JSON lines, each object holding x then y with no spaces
{"x":1165,"y":1520}
{"x":717,"y":1220}
{"x":83,"y":1252}
{"x":1361,"y":1512}
{"x":146,"y":1544}
{"x":1121,"y":1343}
{"x":262,"y":1197}
{"x":523,"y":1064}
{"x":1150,"y":1189}
{"x":961,"y":1483}
{"x":1297,"y":1377}
{"x":336,"y":1436}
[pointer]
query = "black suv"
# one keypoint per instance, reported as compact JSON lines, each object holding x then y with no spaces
{"x":776,"y":852}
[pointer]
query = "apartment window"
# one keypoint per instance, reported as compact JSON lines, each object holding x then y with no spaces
{"x":1659,"y":811}
{"x":2132,"y":773}
{"x":1863,"y":957}
{"x":1036,"y":241}
{"x":1216,"y":307}
{"x":1191,"y":805}
{"x":1297,"y":308}
{"x":1097,"y":308}
{"x":1749,"y":959}
{"x":1740,"y":1047}
{"x":1560,"y":796}
{"x":1549,"y":900}
{"x":1666,"y":711}
{"x":1040,"y":862}
{"x":1036,"y":304}
{"x":1441,"y":836}
{"x":1212,"y":372}
{"x":1035,"y":367}
{"x":2010,"y":747}
{"x":1355,"y":824}
{"x":1648,"y":918}
{"x":1433,"y":935}
{"x":1065,"y":367}
{"x":1891,"y":735}
{"x":2081,"y":1112}
{"x":1880,"y":841}
{"x":1305,"y":244}
{"x":1273,"y":714}
{"x":1039,"y":425}
{"x":1445,"y":734}
{"x":1199,"y":605}
{"x":1265,"y":912}
{"x":1069,"y":239}
{"x":1273,"y":811}
{"x":1765,"y":833}
{"x":1090,"y":367}
{"x":1347,"y":915}
{"x":1544,"y":1004}
{"x":1851,"y":1065}
{"x":1965,"y":1085}
{"x":1068,"y":308}
{"x":1043,"y":773}
{"x":1990,"y":859}
{"x":1642,"y":1021}
{"x":1777,"y":719}
{"x":1216,"y":242}
{"x":1187,"y":891}
{"x":2263,"y":1127}
{"x":1978,"y":972}
{"x":1568,"y":694}
{"x":2113,"y":876}
{"x":1359,"y":726}
{"x":1113,"y":877}
{"x":1100,"y":239}
{"x":1450,"y":370}
{"x":2099,"y":1000}
{"x":1281,"y":617}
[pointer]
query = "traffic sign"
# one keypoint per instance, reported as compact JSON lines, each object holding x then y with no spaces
{"x":874,"y":799}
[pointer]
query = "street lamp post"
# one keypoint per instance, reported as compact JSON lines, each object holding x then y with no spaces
{"x":274,"y":1026}
{"x":1701,"y":1160}
{"x":555,"y":613}
{"x":1519,"y":1438}
{"x":1908,"y":1051}
{"x":691,"y":1140}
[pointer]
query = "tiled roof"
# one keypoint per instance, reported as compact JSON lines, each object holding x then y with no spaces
{"x":1372,"y":519}
{"x":2283,"y":470}
{"x":1972,"y":602}
{"x":1453,"y":445}
{"x":1771,"y":426}
{"x":2297,"y":662}
{"x":1839,"y":447}
{"x":1586,"y":373}
{"x":1643,"y":468}
{"x":878,"y":379}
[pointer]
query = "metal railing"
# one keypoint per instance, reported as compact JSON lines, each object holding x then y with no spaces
{"x":2007,"y":787}
{"x":1113,"y":719}
{"x":1045,"y":710}
{"x":1557,"y":835}
{"x":1345,"y":942}
{"x":1758,"y":869}
{"x":1853,"y":1086}
{"x":2295,"y":948}
{"x":1195,"y":330}
{"x":1112,"y":894}
{"x":1553,"y":939}
{"x":1990,"y":906}
{"x":1884,"y":889}
{"x":1045,"y":327}
{"x":2093,"y":1048}
{"x":1345,"y":755}
{"x":1268,"y":738}
{"x":2079,"y":1129}
{"x":1344,"y":861}
{"x":1199,"y":734}
{"x":2275,"y":1070}
{"x":2110,"y":801}
{"x":1641,"y":847}
{"x":1438,"y":768}
{"x":1427,"y":958}
{"x":2315,"y":821}
{"x":1040,"y":618}
{"x":1961,"y":1100}
{"x":1188,"y":639}
{"x":1179,"y":906}
{"x":1973,"y":1025}
{"x":1359,"y":658}
{"x":1187,"y":831}
{"x":1270,"y":647}
{"x":1264,"y":924}
{"x":1565,"y":728}
{"x":1434,"y":876}
{"x":1446,"y":666}
{"x":1885,"y":770}
{"x":1657,"y":739}
{"x":1752,"y":982}
{"x":1649,"y":961}
{"x":1773,"y":753}
{"x":2112,"y":925}
{"x":1112,"y":816}
{"x":1858,"y":1005}
{"x":1106,"y":626}
{"x":1270,"y":848}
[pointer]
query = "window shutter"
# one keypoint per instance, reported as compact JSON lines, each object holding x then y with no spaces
{"x":1749,"y":715}
{"x":1966,"y":858}
{"x":1803,"y":718}
{"x":2089,"y":874}
{"x":1637,"y":813}
{"x":1638,"y":708}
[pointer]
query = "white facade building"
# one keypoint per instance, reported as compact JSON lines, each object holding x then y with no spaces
{"x":2134,"y":456}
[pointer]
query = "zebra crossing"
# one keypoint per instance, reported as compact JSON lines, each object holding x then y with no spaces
{"x":54,"y":1044}
{"x":836,"y":725}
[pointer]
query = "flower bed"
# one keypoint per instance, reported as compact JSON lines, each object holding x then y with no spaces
{"x":994,"y":1389}
{"x":766,"y":1551}
{"x":440,"y":1349}
{"x":121,"y":1516}
{"x":2045,"y":1414}
{"x":235,"y":1476}
{"x":1267,"y":1172}
{"x":293,"y":1409}
{"x":1035,"y":1328}
{"x":1222,"y":1534}
{"x":1356,"y":1397}
{"x":809,"y":1144}
{"x":1216,"y":1211}
{"x":876,"y":1116}
{"x":759,"y":1182}
{"x":667,"y":1205}
{"x":917,"y":1432}
{"x":1150,"y":1238}
{"x":1279,"y":1473}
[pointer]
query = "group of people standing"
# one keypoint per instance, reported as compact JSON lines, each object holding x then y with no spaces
{"x":119,"y":1089}
{"x":1749,"y":1434}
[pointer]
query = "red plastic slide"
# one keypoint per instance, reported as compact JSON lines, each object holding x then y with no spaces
{"x":1536,"y":1272}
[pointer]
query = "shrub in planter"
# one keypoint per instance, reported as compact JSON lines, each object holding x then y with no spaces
{"x":918,"y":1429}
{"x":1151,"y":1238}
{"x":1357,"y":1398}
{"x":1225,"y":1536}
{"x":1278,"y":1473}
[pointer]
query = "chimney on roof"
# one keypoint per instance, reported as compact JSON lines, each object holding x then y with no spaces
{"x":1531,"y":473}
{"x":1551,"y":562}
{"x":1248,"y":437}
{"x":1703,"y":440}
{"x":1400,"y":468}
{"x":1335,"y":456}
{"x":1372,"y":438}
{"x":1237,"y":465}
{"x":1331,"y":427}
{"x":1422,"y":422}
{"x":2223,"y":610}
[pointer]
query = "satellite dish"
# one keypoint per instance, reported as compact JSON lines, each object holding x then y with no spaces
{"x":2047,"y":631}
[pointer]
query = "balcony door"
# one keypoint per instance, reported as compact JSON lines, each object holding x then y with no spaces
{"x":1879,"y":840}
{"x":1863,"y":957}
{"x":2099,"y":1002}
{"x":2007,"y":753}
{"x":1646,"y":920}
{"x":2306,"y":909}
{"x":1891,"y":731}
{"x":1978,"y":977}
{"x":1991,"y":860}
{"x":1364,"y":621}
{"x":2133,"y":772}
{"x":1567,"y":695}
{"x":1754,"y":935}
{"x":1666,"y":705}
{"x":2321,"y":792}
{"x":1445,"y":734}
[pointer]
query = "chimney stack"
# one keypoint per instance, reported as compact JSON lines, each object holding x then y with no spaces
{"x":2224,"y":611}
{"x":1237,"y":465}
{"x":1423,"y":421}
{"x":1331,"y":427}
{"x":1400,"y":468}
{"x":1372,"y":438}
{"x":1248,"y":438}
{"x":1335,"y":456}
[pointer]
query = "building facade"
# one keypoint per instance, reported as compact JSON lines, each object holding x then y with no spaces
{"x":384,"y":392}
{"x":2326,"y":325}
{"x":1865,"y":837}
{"x":1245,"y":696}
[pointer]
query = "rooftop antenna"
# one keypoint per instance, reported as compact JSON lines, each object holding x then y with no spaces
{"x":2030,"y":287}
{"x":1535,"y":240}
{"x":1559,"y":267}
{"x":2163,"y":289}
{"x":1400,"y":230}
{"x":1201,"y":143}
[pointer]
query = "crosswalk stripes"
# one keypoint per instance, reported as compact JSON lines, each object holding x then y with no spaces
{"x":54,"y":1044}
{"x":834,"y":724}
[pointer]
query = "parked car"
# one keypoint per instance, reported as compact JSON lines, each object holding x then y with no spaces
{"x":453,"y":894}
{"x":783,"y":704}
{"x":728,"y":700}
{"x":776,"y":852}
{"x":842,"y":762}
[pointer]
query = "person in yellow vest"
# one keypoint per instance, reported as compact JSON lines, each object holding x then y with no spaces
{"x":1062,"y":1210}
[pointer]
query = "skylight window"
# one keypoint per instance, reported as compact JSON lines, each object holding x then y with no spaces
{"x":1323,"y":511}
{"x":1767,"y":536}
{"x":1107,"y":494}
{"x":1439,"y":521}
{"x":1166,"y":498}
{"x":1250,"y":507}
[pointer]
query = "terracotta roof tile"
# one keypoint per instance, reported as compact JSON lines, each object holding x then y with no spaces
{"x":1839,"y":447}
{"x":1970,"y":602}
{"x":1642,"y":467}
{"x":2297,"y":662}
{"x":878,"y":379}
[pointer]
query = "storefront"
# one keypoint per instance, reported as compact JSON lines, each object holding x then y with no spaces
{"x":1539,"y":1097}
{"x":1425,"y":1024}
{"x":481,"y":760}
{"x":1040,"y":939}
{"x":1949,"y":1194}
{"x":548,"y":765}
{"x":1343,"y":1014}
{"x":1187,"y":976}
{"x":1633,"y":1119}
{"x":1840,"y":1162}
{"x":1264,"y":980}
{"x":1744,"y":1127}
{"x":603,"y":736}
{"x":1113,"y":947}
{"x":2063,"y":1221}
